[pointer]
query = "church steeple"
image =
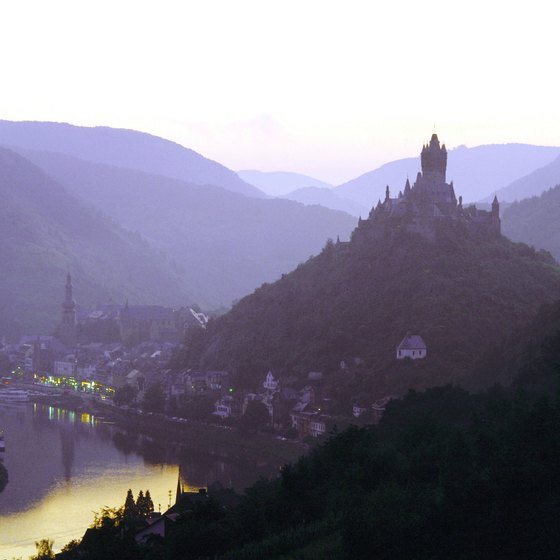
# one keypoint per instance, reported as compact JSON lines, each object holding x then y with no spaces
{"x":67,"y":329}
{"x":68,"y":289}
{"x":179,"y":491}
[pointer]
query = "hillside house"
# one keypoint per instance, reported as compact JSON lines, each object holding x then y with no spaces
{"x":270,"y":384}
{"x":412,"y":346}
{"x":223,"y":407}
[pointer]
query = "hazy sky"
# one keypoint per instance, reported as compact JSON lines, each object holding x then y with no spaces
{"x":332,"y":89}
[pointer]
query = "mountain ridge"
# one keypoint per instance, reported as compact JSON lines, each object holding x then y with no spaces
{"x":532,"y":184}
{"x":480,"y":171}
{"x":280,"y":183}
{"x":45,"y":233}
{"x":124,"y":148}
{"x":211,"y":233}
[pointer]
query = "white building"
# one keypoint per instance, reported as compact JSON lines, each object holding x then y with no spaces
{"x":412,"y":346}
{"x":66,"y":367}
{"x":270,"y":384}
{"x":223,"y":407}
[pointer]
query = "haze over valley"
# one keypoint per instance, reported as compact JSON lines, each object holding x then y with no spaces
{"x":279,"y":280}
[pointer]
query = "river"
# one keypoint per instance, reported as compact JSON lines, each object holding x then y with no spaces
{"x":64,"y":466}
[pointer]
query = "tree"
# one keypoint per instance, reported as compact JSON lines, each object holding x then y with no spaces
{"x":3,"y":477}
{"x":144,"y":504}
{"x":154,"y":399}
{"x":130,"y":513}
{"x":124,"y":395}
{"x":256,"y":416}
{"x":44,"y":550}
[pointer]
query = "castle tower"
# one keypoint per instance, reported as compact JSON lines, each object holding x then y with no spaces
{"x":67,"y":330}
{"x":434,"y":161}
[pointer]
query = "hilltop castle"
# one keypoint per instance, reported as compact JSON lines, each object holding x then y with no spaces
{"x":429,"y":206}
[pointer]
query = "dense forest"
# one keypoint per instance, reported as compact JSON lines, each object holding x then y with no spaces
{"x":446,"y":475}
{"x":355,"y":302}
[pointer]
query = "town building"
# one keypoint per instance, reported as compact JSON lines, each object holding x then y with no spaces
{"x":412,"y":346}
{"x":138,"y":323}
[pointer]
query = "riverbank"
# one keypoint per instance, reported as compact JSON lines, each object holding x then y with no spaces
{"x":215,"y":439}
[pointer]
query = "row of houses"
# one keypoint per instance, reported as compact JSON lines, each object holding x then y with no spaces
{"x":286,"y":407}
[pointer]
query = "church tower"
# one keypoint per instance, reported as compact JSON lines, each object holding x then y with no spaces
{"x":67,"y":331}
{"x":434,"y":161}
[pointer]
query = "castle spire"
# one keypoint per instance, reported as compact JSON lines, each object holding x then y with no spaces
{"x":387,"y":194}
{"x":407,"y":187}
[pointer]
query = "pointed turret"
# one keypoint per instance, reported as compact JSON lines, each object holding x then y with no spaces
{"x":407,"y":187}
{"x":387,"y":193}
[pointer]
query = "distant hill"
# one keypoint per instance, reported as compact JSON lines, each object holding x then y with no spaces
{"x":45,"y":233}
{"x":124,"y":148}
{"x":224,"y":244}
{"x":355,"y":302}
{"x":279,"y":183}
{"x":302,"y":188}
{"x":532,"y":184}
{"x":477,"y":172}
{"x":327,"y":198}
{"x":535,"y":221}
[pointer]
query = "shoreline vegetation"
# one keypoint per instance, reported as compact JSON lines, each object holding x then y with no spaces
{"x":215,"y":439}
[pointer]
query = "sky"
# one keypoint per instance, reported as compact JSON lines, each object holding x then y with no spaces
{"x":329,"y":89}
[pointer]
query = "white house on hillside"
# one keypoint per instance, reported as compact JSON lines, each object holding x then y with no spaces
{"x":412,"y":346}
{"x":270,"y":384}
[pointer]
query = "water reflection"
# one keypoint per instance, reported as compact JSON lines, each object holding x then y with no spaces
{"x":64,"y":466}
{"x":67,"y":444}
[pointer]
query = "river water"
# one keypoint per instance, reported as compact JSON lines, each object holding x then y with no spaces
{"x":64,"y":466}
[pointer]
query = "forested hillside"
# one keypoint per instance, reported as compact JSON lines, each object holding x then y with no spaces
{"x":45,"y":233}
{"x":535,"y":221}
{"x":355,"y":303}
{"x":441,"y":478}
{"x":225,"y":244}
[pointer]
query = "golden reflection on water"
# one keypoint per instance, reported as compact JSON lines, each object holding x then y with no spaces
{"x":68,"y":509}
